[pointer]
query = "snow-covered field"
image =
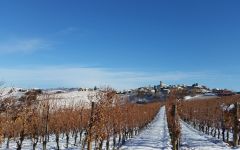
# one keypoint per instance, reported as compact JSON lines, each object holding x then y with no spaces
{"x":58,"y":97}
{"x":11,"y":92}
{"x":191,"y":139}
{"x":79,"y":98}
{"x":155,"y":136}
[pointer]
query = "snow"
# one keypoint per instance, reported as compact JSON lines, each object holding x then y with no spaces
{"x":201,"y":96}
{"x":59,"y":97}
{"x":76,"y":95}
{"x":195,"y":140}
{"x":227,"y":107}
{"x":51,"y":145}
{"x":11,"y":92}
{"x":79,"y":98}
{"x":231,"y":107}
{"x":155,"y":136}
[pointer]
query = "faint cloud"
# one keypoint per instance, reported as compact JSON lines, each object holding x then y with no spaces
{"x":89,"y":77}
{"x":26,"y":45}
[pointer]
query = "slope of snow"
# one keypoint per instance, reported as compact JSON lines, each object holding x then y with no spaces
{"x":77,"y":95}
{"x":11,"y":92}
{"x":156,"y":136}
{"x":79,"y":98}
{"x":195,"y":140}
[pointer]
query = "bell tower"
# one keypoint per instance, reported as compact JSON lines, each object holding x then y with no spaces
{"x":161,"y":84}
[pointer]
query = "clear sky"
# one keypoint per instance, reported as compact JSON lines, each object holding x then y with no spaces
{"x":125,"y":43}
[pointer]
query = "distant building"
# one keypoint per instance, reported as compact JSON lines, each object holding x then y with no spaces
{"x":161,"y":84}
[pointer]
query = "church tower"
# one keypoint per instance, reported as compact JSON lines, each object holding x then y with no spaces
{"x":161,"y":84}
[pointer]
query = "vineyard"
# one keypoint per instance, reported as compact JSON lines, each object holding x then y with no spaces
{"x":107,"y":123}
{"x":218,"y":117}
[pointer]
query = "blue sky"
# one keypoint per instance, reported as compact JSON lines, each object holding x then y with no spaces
{"x":125,"y":44}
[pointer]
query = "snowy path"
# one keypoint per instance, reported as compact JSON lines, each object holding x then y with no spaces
{"x":156,"y":136}
{"x":195,"y":140}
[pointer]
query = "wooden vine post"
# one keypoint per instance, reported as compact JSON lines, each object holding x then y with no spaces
{"x":89,"y":140}
{"x":175,"y":137}
{"x":235,"y":126}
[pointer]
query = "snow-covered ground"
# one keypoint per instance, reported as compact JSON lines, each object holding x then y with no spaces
{"x":51,"y":145}
{"x":80,"y":98}
{"x":11,"y":92}
{"x":155,"y":136}
{"x":195,"y":140}
{"x":59,"y":98}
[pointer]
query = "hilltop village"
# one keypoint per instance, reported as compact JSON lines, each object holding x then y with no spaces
{"x":161,"y":92}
